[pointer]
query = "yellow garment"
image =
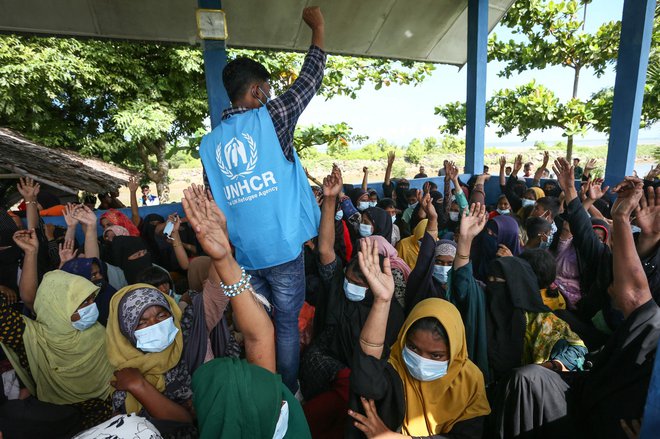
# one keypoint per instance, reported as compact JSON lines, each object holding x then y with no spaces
{"x":122,"y":354}
{"x":554,"y":303}
{"x":67,"y":366}
{"x":543,"y":331}
{"x":433,"y":407}
{"x":408,"y":248}
{"x":538,"y":191}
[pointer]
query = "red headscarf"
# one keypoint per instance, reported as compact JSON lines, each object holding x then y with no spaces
{"x":117,"y":218}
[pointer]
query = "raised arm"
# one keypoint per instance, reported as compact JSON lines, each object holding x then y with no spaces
{"x":314,"y":19}
{"x":502,"y":171}
{"x":365,"y":178}
{"x":133,"y":186}
{"x":647,"y":216}
{"x":630,"y":288}
{"x":471,"y":226}
{"x":428,"y":207}
{"x":539,"y":172}
{"x":71,"y":222}
{"x":209,"y":224}
{"x":478,"y":194}
{"x":177,"y":244}
{"x":28,"y":242}
{"x":312,"y":178}
{"x":89,"y":222}
{"x":381,"y":283}
{"x":332,"y":186}
{"x":29,"y":190}
{"x":388,"y":171}
{"x":590,"y":166}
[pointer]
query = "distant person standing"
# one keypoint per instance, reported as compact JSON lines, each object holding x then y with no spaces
{"x":148,"y":199}
{"x":421,"y":173}
{"x":258,"y":182}
{"x":577,"y":170}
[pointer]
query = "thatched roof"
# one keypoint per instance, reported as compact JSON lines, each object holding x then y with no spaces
{"x":58,"y":168}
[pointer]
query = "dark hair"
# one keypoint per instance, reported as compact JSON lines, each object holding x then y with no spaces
{"x":535,"y":226}
{"x":154,"y":276}
{"x":551,"y":204}
{"x":432,"y":186}
{"x":240,"y":74}
{"x":386,"y":203}
{"x":528,"y":165}
{"x":411,"y":193}
{"x":89,"y":199}
{"x":543,"y":264}
{"x":432,"y":325}
{"x":144,"y":186}
{"x":354,"y":267}
{"x":519,"y":188}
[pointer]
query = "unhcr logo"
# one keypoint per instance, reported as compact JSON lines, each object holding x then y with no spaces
{"x":233,"y":157}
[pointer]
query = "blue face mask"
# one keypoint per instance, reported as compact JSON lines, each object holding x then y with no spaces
{"x":423,"y":369}
{"x":339,"y":215}
{"x":545,"y":244}
{"x":366,"y":230}
{"x":156,"y":338}
{"x":526,"y":202}
{"x":372,"y":203}
{"x":88,"y":316}
{"x":264,"y":93}
{"x":363,"y":205}
{"x":413,"y":205}
{"x":503,"y":211}
{"x":441,"y":273}
{"x":175,"y":296}
{"x":354,"y":293}
{"x":393,"y":219}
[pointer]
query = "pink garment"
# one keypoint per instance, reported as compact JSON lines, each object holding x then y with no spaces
{"x":386,"y":249}
{"x":568,"y":273}
{"x":117,"y":230}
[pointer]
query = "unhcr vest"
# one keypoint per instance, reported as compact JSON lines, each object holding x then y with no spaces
{"x":270,"y":208}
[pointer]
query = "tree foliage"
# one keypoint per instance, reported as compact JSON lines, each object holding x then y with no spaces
{"x":548,"y":33}
{"x":337,"y":137}
{"x":137,"y":104}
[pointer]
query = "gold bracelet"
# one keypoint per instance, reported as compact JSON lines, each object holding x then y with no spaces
{"x":371,"y":345}
{"x":30,"y":202}
{"x":462,"y":256}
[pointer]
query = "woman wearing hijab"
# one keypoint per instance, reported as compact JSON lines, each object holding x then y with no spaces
{"x":114,"y":217}
{"x":375,"y":221}
{"x":130,"y":253}
{"x":408,"y":248}
{"x":340,"y":314}
{"x":93,"y":270}
{"x":426,"y":385}
{"x":500,"y":231}
{"x":400,"y":269}
{"x":60,"y":357}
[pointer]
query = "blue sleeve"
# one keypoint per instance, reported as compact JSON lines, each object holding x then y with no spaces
{"x":571,"y":356}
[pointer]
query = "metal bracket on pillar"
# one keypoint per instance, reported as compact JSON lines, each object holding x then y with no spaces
{"x":477,"y":40}
{"x":215,"y":60}
{"x":634,"y":47}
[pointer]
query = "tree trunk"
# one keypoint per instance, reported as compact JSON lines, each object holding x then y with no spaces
{"x":569,"y":148}
{"x":159,"y":175}
{"x":569,"y":141}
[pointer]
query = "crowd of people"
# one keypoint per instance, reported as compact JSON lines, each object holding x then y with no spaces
{"x":273,"y":309}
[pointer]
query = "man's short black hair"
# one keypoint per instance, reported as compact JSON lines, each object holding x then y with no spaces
{"x":240,"y":74}
{"x":551,"y":204}
{"x":543,"y":264}
{"x":145,"y":186}
{"x":535,"y":226}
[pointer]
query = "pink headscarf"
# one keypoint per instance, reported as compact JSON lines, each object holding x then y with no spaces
{"x":117,"y":230}
{"x":386,"y":249}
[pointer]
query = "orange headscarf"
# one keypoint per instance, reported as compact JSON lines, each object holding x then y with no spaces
{"x":433,"y":407}
{"x":119,"y":219}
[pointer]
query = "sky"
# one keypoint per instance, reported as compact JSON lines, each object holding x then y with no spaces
{"x":401,"y":113}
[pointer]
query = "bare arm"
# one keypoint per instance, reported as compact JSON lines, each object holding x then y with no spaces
{"x":87,"y":218}
{"x":209,"y":224}
{"x":388,"y":171}
{"x":648,"y":219}
{"x":332,"y":186}
{"x":177,"y":244}
{"x":29,"y":189}
{"x":314,"y":19}
{"x":71,"y":222}
{"x":539,"y":172}
{"x":432,"y":225}
{"x":133,"y":186}
{"x":478,"y":194}
{"x":471,"y":226}
{"x":365,"y":178}
{"x":28,"y":242}
{"x":502,"y":171}
{"x":630,"y":288}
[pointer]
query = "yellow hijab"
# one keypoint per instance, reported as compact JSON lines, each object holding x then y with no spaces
{"x":408,"y":248}
{"x":538,"y":191}
{"x":67,"y":366}
{"x":433,"y":407}
{"x":123,"y":354}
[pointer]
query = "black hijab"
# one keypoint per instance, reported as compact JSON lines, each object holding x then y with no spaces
{"x":382,"y":222}
{"x":436,"y":199}
{"x":506,"y":304}
{"x":125,"y":246}
{"x":9,"y":258}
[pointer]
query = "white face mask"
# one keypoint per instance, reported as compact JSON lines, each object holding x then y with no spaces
{"x":526,"y":202}
{"x":441,"y":273}
{"x":339,"y":215}
{"x":503,"y":211}
{"x":423,"y":369}
{"x":363,"y":205}
{"x":156,"y":338}
{"x":88,"y":316}
{"x":354,"y":293}
{"x":366,"y":230}
{"x":393,"y":219}
{"x":453,"y":216}
{"x":372,"y":203}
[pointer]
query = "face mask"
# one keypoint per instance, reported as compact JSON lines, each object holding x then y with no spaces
{"x":393,"y":219}
{"x":503,"y":211}
{"x":366,"y":230}
{"x":372,"y":204}
{"x":453,"y":216}
{"x":635,"y":229}
{"x":175,"y":296}
{"x":412,"y":205}
{"x":264,"y":93}
{"x":100,"y":283}
{"x":88,"y":316}
{"x":526,"y":202}
{"x":282,"y":422}
{"x":354,"y":293}
{"x":363,"y":205}
{"x":156,"y":338}
{"x":545,"y":244}
{"x":339,"y":215}
{"x":441,"y":273}
{"x":423,"y":369}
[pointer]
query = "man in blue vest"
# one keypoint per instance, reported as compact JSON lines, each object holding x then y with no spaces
{"x":257,"y":180}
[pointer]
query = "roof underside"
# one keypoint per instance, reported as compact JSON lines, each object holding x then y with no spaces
{"x":58,"y":168}
{"x":420,"y":30}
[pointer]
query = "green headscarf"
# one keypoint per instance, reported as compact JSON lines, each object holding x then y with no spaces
{"x":67,"y":365}
{"x":236,"y":399}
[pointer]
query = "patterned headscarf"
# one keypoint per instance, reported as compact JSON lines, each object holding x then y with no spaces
{"x":445,"y":247}
{"x":117,"y":230}
{"x":133,"y":304}
{"x":117,"y":218}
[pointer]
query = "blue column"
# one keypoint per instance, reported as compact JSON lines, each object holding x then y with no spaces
{"x":634,"y":46}
{"x":651,"y":423}
{"x":215,"y":59}
{"x":476,"y":85}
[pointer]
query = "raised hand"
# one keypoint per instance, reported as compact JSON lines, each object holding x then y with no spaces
{"x":427,"y":205}
{"x":390,"y":158}
{"x":517,"y":164}
{"x":380,"y":282}
{"x":67,"y":252}
{"x":427,"y":187}
{"x":653,"y":173}
{"x":365,"y":170}
{"x":648,"y":212}
{"x":546,"y":159}
{"x":452,"y":170}
{"x":590,"y":166}
{"x":133,"y":184}
{"x":333,"y":183}
{"x":28,"y":189}
{"x":629,"y":192}
{"x":208,"y":222}
{"x":565,"y":174}
{"x":502,"y":162}
{"x":595,"y":190}
{"x":474,"y":222}
{"x":85,"y":215}
{"x":174,"y":219}
{"x":27,"y":241}
{"x":69,"y":217}
{"x":313,"y":17}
